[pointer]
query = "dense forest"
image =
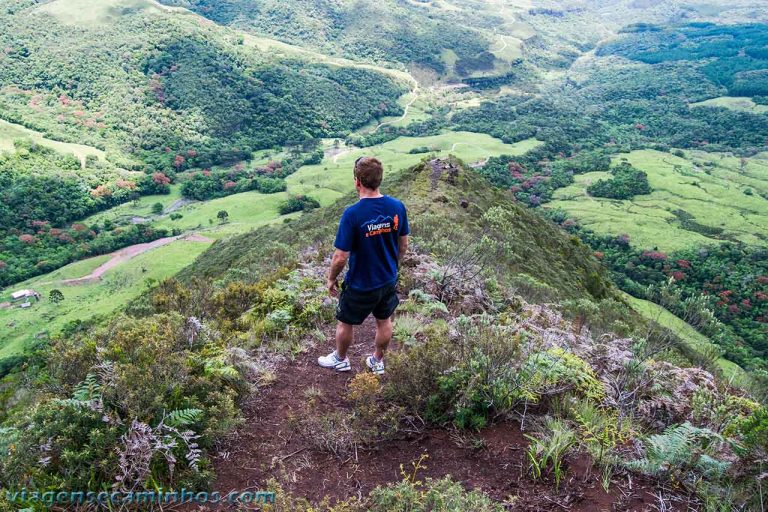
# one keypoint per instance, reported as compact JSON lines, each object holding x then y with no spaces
{"x":739,"y":51}
{"x":731,"y":279}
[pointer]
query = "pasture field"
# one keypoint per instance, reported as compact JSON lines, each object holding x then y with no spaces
{"x":9,"y":132}
{"x":734,"y":103}
{"x":330,"y":179}
{"x":87,"y":13}
{"x":702,"y":198}
{"x":18,"y":327}
{"x":325,"y":182}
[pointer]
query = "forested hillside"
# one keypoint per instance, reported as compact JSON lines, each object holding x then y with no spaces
{"x":583,"y":318}
{"x":145,"y":91}
{"x":406,"y":32}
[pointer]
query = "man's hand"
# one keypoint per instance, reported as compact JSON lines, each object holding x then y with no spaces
{"x":337,"y":265}
{"x":333,"y":287}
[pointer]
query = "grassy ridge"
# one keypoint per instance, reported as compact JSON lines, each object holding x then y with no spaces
{"x":552,"y":260}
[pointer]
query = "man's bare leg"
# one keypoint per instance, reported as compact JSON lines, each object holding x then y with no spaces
{"x":383,"y":337}
{"x":344,"y":335}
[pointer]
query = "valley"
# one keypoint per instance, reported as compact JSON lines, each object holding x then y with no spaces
{"x":326,"y":181}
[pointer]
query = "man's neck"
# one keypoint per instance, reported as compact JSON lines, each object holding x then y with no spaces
{"x":366,"y":193}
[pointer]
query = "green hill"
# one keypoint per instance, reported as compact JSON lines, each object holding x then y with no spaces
{"x":136,"y":79}
{"x":534,"y":253}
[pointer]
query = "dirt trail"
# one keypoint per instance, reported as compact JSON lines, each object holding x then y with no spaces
{"x":269,"y":445}
{"x":415,"y":93}
{"x":128,"y":253}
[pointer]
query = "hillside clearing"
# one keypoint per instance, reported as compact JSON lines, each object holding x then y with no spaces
{"x":9,"y":132}
{"x":700,"y":199}
{"x":118,"y":286}
{"x":734,"y":103}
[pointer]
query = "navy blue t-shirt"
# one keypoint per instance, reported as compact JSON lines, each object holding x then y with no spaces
{"x":370,"y":230}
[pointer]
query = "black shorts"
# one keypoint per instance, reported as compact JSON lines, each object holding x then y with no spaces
{"x":355,"y":306}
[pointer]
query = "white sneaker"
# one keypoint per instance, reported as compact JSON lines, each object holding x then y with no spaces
{"x":375,"y":365}
{"x":333,"y":362}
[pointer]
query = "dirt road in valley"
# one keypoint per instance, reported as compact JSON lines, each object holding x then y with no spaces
{"x":128,"y":253}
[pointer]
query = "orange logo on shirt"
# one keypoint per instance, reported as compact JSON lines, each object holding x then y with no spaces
{"x":396,"y":221}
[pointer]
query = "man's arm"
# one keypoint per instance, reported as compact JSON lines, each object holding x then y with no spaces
{"x":338,"y":262}
{"x":402,"y":247}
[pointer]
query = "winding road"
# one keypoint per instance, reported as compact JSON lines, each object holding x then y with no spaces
{"x":415,"y":93}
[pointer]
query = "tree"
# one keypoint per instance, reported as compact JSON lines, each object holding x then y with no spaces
{"x":157,"y":208}
{"x":56,"y":296}
{"x":222,"y":216}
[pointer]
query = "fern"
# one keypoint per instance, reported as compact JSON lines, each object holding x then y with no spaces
{"x":88,"y":390}
{"x":216,"y":367}
{"x":182,"y":417}
{"x":681,"y":448}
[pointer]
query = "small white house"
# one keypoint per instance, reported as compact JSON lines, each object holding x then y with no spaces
{"x":25,"y":294}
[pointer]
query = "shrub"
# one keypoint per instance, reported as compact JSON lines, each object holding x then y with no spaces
{"x":297,"y":204}
{"x":443,"y":495}
{"x":369,"y":421}
{"x":483,"y":380}
{"x":754,"y":430}
{"x":136,"y":401}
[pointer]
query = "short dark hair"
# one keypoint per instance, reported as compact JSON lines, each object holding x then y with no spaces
{"x":369,"y":171}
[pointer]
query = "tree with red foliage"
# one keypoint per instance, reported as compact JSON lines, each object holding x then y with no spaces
{"x":654,"y":255}
{"x":159,"y":178}
{"x":678,"y":276}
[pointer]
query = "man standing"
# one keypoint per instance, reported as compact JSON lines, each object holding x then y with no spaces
{"x":373,"y":237}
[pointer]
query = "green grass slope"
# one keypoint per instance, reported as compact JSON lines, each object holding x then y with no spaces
{"x":690,"y":336}
{"x":21,"y":327}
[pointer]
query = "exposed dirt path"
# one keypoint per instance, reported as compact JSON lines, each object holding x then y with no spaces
{"x":415,"y":93}
{"x":269,"y":445}
{"x":128,"y":253}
